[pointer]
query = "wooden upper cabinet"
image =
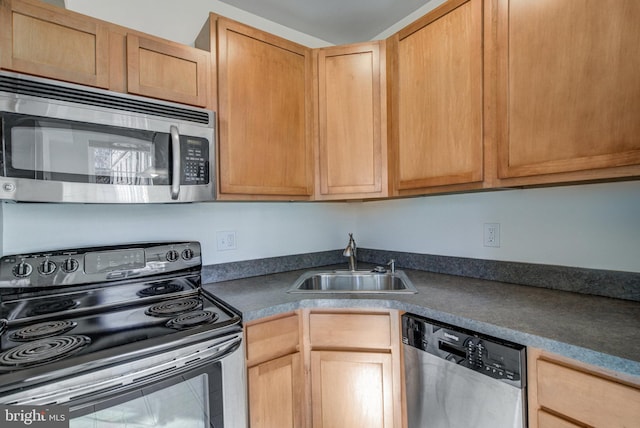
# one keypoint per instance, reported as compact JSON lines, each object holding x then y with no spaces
{"x":265,"y":114}
{"x":166,"y":70}
{"x":437,"y":99}
{"x":47,"y":41}
{"x":568,"y":89}
{"x":352,"y":121}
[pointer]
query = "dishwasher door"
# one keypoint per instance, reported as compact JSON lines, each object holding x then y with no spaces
{"x":443,"y":394}
{"x":457,"y":378}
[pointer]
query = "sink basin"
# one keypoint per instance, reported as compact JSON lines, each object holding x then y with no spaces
{"x":352,"y":282}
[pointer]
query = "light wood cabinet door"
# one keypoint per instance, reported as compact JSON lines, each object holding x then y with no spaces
{"x":276,"y":394}
{"x":275,"y":374}
{"x":168,"y":71}
{"x":566,"y":393}
{"x":548,"y":420}
{"x":437,"y":99}
{"x":568,"y":89}
{"x":52,"y":42}
{"x":351,"y":99}
{"x":351,"y":389}
{"x":264,"y":108}
{"x":355,"y":368}
{"x":269,"y":339}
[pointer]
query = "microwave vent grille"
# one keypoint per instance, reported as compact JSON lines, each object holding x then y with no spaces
{"x":104,"y":99}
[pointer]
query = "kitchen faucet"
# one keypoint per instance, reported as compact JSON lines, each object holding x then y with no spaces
{"x":350,"y":252}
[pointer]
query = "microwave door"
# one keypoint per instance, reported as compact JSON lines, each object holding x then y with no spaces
{"x":52,"y":150}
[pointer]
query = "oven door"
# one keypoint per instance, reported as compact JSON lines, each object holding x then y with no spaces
{"x":196,"y":386}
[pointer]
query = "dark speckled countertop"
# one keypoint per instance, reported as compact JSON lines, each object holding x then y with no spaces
{"x":597,"y":330}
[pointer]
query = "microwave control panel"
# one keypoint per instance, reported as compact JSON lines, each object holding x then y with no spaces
{"x":195,"y":160}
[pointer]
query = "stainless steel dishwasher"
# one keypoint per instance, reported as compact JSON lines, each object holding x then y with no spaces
{"x":457,"y":378}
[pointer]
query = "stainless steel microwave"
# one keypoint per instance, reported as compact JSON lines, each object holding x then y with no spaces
{"x":69,"y":143}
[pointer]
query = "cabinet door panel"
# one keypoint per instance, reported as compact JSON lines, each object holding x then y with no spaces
{"x":270,"y":339}
{"x":547,"y":420}
{"x":167,"y":71}
{"x":439,"y":100}
{"x":370,"y":331}
{"x":55,"y":44}
{"x":352,"y":132}
{"x":590,"y":399}
{"x":351,"y":389}
{"x":275,"y":393}
{"x":264,"y":111}
{"x":569,"y":87}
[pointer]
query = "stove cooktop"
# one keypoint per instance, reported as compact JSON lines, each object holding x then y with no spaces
{"x":46,"y":328}
{"x":34,"y":341}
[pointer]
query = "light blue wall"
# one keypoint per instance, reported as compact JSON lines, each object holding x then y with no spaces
{"x":262,"y":229}
{"x":592,"y":226}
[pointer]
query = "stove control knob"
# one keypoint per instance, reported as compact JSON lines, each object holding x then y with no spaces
{"x":69,"y":265}
{"x":22,"y":269}
{"x":47,"y":267}
{"x":172,"y":255}
{"x":187,"y":254}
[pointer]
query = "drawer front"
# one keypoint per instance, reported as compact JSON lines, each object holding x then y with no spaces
{"x":587,"y":398}
{"x":547,"y":420}
{"x":362,"y":331}
{"x":272,"y":339}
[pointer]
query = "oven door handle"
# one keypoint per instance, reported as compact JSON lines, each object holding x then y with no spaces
{"x":90,"y":388}
{"x":176,"y":162}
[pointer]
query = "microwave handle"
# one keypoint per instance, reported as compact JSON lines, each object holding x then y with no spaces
{"x":176,"y":167}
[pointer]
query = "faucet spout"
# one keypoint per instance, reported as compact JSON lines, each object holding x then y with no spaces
{"x":350,"y":251}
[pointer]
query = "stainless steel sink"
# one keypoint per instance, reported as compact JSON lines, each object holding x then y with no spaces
{"x":345,"y":281}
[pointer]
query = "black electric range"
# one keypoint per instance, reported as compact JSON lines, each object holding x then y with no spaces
{"x":71,"y":310}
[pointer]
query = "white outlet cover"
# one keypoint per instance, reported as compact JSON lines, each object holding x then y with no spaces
{"x":492,"y":234}
{"x":226,"y":240}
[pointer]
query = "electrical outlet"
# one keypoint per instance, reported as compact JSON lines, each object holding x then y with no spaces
{"x":226,"y":240}
{"x":492,"y":234}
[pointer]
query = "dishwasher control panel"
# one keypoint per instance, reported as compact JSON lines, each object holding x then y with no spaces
{"x":493,"y":357}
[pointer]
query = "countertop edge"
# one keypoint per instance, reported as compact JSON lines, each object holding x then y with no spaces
{"x":609,"y":362}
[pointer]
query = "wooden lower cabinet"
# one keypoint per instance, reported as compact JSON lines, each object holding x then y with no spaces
{"x":325,"y":368}
{"x":354,"y":368}
{"x":275,"y":372}
{"x":352,"y":389}
{"x":275,"y":388}
{"x":565,"y":393}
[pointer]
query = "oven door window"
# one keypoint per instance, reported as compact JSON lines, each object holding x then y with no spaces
{"x":191,"y":400}
{"x":59,"y":150}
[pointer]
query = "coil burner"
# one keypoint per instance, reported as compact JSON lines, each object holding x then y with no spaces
{"x":174,"y":307}
{"x":52,"y":306}
{"x":192,"y":319}
{"x":160,"y":289}
{"x":42,"y":330}
{"x":43,"y":351}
